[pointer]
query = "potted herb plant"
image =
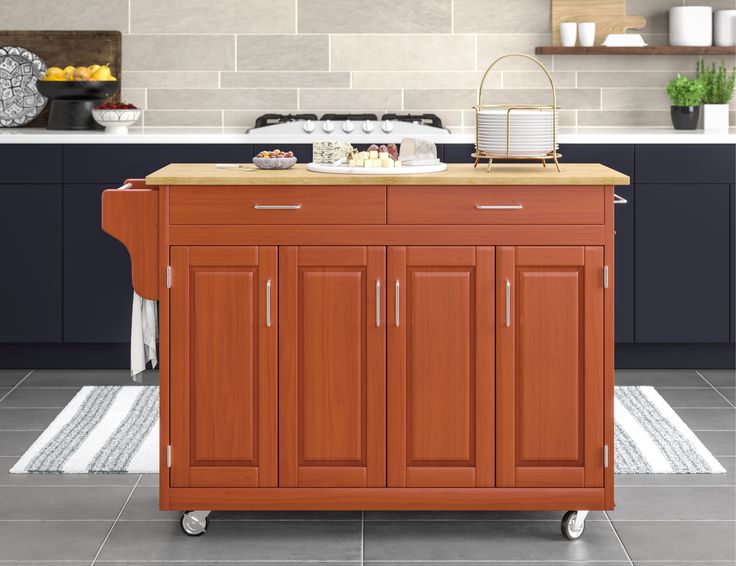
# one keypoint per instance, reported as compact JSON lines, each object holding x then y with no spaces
{"x":719,"y":85}
{"x":686,"y":96}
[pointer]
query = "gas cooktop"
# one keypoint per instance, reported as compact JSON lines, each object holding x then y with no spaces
{"x":348,"y":123}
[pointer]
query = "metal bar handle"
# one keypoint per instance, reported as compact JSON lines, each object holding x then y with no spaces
{"x":499,"y":206}
{"x":277,"y":206}
{"x":617,"y":199}
{"x":268,"y":303}
{"x":378,"y":302}
{"x":508,"y":303}
{"x":125,"y":187}
{"x":398,"y":303}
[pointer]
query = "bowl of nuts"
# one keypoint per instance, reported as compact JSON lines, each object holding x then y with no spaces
{"x":275,"y":159}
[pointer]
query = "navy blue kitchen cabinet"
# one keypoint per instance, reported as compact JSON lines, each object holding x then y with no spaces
{"x":31,"y":256}
{"x":683,"y":164}
{"x":30,"y":163}
{"x":621,"y":158}
{"x":110,"y":164}
{"x":683,"y":258}
{"x":732,"y":255}
{"x":97,"y":285}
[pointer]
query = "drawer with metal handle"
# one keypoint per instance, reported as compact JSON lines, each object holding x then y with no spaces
{"x":496,"y":205}
{"x":278,"y":205}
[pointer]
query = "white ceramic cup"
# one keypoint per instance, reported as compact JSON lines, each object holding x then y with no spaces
{"x":724,"y":24}
{"x":691,"y":26}
{"x":568,"y":34}
{"x":586,"y":33}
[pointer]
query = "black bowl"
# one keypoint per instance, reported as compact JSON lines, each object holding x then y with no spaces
{"x":72,"y":102}
{"x":78,"y":90}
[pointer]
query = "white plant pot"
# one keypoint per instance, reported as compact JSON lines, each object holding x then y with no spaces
{"x":715,"y":116}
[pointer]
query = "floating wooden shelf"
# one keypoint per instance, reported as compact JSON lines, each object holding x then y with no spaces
{"x":648,"y":50}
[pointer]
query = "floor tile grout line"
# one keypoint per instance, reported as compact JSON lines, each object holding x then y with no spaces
{"x":615,"y":532}
{"x":715,"y":389}
{"x":15,"y":386}
{"x":115,"y":522}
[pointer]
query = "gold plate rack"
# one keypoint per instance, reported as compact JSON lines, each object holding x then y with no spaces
{"x":481,"y":154}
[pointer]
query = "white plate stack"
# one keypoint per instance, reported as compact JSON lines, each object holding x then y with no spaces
{"x":530,"y":132}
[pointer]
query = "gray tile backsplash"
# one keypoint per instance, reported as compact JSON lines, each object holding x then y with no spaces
{"x":193,"y":63}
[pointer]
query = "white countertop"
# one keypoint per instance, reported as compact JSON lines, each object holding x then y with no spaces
{"x":237,"y":135}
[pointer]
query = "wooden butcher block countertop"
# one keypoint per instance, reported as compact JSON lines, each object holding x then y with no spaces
{"x":456,"y":174}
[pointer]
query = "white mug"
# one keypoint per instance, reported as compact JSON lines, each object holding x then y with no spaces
{"x":586,"y":32}
{"x":723,"y":28}
{"x":568,"y":34}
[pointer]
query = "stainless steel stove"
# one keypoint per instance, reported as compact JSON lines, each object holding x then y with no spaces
{"x":409,"y":125}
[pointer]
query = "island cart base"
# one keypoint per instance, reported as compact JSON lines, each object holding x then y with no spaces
{"x":332,"y":342}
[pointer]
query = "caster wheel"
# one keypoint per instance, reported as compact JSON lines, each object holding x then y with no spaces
{"x":192,"y":525}
{"x":571,"y":528}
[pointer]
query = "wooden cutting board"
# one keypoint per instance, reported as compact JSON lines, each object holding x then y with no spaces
{"x":609,"y":17}
{"x":62,"y":48}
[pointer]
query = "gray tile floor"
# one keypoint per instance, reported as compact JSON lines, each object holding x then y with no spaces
{"x":114,"y":519}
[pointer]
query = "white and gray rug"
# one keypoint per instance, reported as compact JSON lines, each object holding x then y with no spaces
{"x":115,"y":430}
{"x":103,"y":429}
{"x":650,"y":438}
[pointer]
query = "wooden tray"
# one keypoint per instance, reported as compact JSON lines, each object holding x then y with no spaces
{"x":62,"y":48}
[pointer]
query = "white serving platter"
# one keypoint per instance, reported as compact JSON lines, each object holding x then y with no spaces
{"x":403,"y":170}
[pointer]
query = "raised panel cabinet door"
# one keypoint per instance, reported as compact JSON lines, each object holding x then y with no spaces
{"x":549,"y":366}
{"x":332,"y":367}
{"x":440,"y":377}
{"x":224,"y":364}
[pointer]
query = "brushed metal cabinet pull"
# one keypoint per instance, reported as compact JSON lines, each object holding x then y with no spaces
{"x":617,"y":199}
{"x":398,"y":303}
{"x":508,"y":303}
{"x":277,"y":206}
{"x":499,"y":206}
{"x":268,"y":303}
{"x":378,"y":302}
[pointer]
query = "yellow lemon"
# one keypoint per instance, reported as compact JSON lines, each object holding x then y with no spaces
{"x":102,"y":74}
{"x":54,"y":71}
{"x":92,"y":68}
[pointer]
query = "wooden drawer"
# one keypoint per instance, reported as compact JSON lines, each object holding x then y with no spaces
{"x":278,"y":205}
{"x":495,"y":205}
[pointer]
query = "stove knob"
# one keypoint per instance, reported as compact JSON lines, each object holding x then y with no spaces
{"x":309,"y":126}
{"x":328,"y":126}
{"x":367,"y":126}
{"x":387,"y":126}
{"x":347,"y":126}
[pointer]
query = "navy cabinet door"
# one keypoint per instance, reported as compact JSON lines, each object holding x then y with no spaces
{"x":97,"y":285}
{"x":30,"y":255}
{"x":621,"y":158}
{"x":112,"y":163}
{"x":732,"y":239}
{"x":682,"y":263}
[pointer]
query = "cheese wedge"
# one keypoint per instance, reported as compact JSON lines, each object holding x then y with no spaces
{"x":397,"y":163}
{"x":363,"y":155}
{"x":388,"y":162}
{"x":373,"y":154}
{"x":383,"y":155}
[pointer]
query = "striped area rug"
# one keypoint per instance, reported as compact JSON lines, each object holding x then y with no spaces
{"x":104,"y":429}
{"x":650,"y":438}
{"x":115,"y":430}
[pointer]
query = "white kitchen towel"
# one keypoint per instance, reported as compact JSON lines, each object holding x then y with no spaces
{"x":143,"y":336}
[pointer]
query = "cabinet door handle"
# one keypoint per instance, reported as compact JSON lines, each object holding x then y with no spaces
{"x":398,"y":303}
{"x":277,"y":206}
{"x":617,"y":199}
{"x":268,"y":303}
{"x":499,"y":206}
{"x":508,"y":303}
{"x":378,"y":302}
